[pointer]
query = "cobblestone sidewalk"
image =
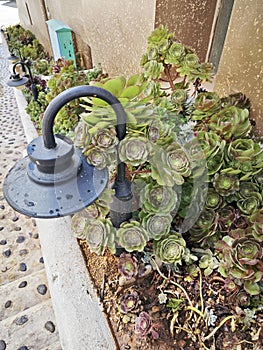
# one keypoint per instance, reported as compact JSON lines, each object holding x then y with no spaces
{"x":26,"y":314}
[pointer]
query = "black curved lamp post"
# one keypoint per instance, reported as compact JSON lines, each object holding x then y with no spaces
{"x":55,"y":180}
{"x":16,"y":80}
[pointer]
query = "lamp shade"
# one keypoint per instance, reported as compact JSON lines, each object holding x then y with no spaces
{"x":13,"y":58}
{"x":53,"y":183}
{"x":16,"y":81}
{"x":55,"y":179}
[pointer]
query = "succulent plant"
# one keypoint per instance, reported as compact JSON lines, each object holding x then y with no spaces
{"x":231,"y":123}
{"x":257,"y":224}
{"x":157,"y":225}
{"x":159,"y":132}
{"x":243,"y":150}
{"x":239,"y":297}
{"x":144,"y":326}
{"x":99,"y":234}
{"x":170,"y":249}
{"x":158,"y":199}
{"x":130,"y":302}
{"x":128,"y":265}
{"x":242,"y":261}
{"x":132,"y":236}
{"x":225,"y":184}
{"x":226,"y":218}
{"x":134,"y":150}
{"x":205,"y":226}
{"x":213,"y":199}
{"x":205,"y":105}
{"x":98,"y":156}
{"x":170,"y":165}
{"x":78,"y":223}
{"x":167,"y":57}
{"x":105,"y":138}
{"x":237,"y":99}
{"x":249,"y":204}
{"x":207,"y":261}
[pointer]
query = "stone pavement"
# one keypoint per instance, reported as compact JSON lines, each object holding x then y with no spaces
{"x":26,"y":315}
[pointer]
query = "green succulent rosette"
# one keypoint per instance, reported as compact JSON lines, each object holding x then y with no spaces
{"x":78,"y":223}
{"x":230,"y":123}
{"x":157,"y":225}
{"x":159,"y":132}
{"x":158,"y":35}
{"x":105,"y":138}
{"x":132,"y":236}
{"x":243,"y":150}
{"x":97,"y":156}
{"x":81,"y":137}
{"x":249,"y":198}
{"x":250,"y":204}
{"x":205,"y":105}
{"x":179,"y":96}
{"x":242,"y":261}
{"x":155,"y":198}
{"x":213,"y":199}
{"x":171,"y":249}
{"x":99,"y":234}
{"x":170,"y":165}
{"x":225,"y":184}
{"x":135,"y":150}
{"x":175,"y":54}
{"x":204,"y":227}
{"x":211,"y":143}
{"x":153,"y":69}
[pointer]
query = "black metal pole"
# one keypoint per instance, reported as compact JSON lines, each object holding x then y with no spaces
{"x":25,"y":65}
{"x":121,"y":209}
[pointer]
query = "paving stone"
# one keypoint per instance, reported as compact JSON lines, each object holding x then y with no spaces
{"x":22,"y":298}
{"x":28,"y":328}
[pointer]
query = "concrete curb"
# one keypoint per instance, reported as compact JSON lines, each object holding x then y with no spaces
{"x":80,"y":319}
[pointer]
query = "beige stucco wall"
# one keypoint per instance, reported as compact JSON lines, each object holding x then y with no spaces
{"x":190,"y":20}
{"x":240,"y":67}
{"x":32,"y":17}
{"x":115,"y":31}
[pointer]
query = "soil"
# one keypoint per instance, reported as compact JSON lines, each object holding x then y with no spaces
{"x":180,"y":329}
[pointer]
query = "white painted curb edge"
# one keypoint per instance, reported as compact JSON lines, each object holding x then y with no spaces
{"x":81,"y":323}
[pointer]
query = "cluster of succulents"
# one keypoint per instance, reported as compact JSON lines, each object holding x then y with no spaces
{"x":23,"y":43}
{"x":196,"y":179}
{"x":194,"y":163}
{"x":178,"y":64}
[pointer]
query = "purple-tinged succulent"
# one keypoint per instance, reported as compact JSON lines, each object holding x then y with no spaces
{"x":143,"y":326}
{"x":128,"y":265}
{"x":242,"y":261}
{"x":231,"y":123}
{"x":130,"y":302}
{"x":257,"y":221}
{"x":227,"y":216}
